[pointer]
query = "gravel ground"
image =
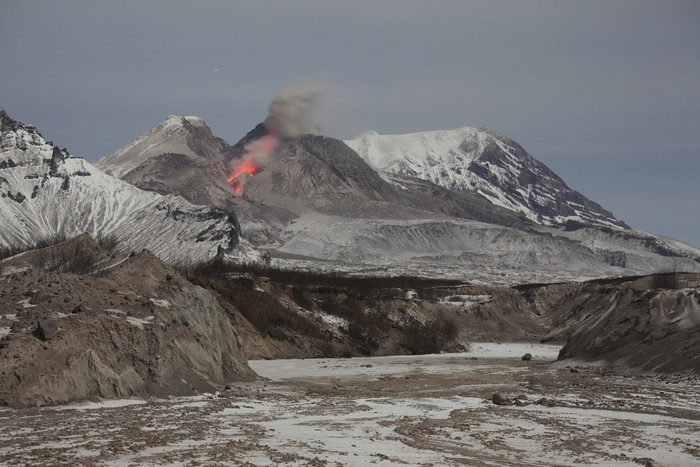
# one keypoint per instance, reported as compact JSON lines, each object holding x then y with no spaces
{"x":422,"y":410}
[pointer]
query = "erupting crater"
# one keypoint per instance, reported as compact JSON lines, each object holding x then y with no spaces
{"x":252,"y":162}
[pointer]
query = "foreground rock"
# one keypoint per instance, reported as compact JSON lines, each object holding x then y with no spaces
{"x":500,"y":399}
{"x":142,"y":330}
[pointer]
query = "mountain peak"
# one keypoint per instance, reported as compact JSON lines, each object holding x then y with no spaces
{"x":184,"y":121}
{"x":189,"y":136}
{"x":485,"y":161}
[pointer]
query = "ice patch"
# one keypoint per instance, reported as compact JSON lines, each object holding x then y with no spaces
{"x":25,"y":303}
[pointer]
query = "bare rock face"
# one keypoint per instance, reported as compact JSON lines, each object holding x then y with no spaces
{"x":143,"y":330}
{"x":47,"y":329}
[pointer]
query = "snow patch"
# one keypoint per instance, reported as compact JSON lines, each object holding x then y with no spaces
{"x":159,"y":302}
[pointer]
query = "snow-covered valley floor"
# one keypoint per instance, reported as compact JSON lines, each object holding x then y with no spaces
{"x":419,"y":410}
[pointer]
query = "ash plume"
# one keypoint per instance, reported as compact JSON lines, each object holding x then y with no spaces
{"x":294,"y":111}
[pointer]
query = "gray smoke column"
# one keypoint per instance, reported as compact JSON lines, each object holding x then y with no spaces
{"x":295,"y":109}
{"x":293,"y":112}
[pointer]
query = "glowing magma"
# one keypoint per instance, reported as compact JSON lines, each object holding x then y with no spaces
{"x":239,"y":169}
{"x":253,"y":161}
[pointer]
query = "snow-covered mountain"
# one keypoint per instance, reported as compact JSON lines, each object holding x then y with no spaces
{"x":486,"y":162}
{"x":45,"y":192}
{"x":314,"y":202}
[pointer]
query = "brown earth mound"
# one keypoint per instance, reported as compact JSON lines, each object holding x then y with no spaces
{"x":136,"y":328}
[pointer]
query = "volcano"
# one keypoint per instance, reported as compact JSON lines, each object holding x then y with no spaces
{"x":178,"y":156}
{"x":314,"y":201}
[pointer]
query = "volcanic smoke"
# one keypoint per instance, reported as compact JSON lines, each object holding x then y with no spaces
{"x":292,"y":113}
{"x":254,"y":159}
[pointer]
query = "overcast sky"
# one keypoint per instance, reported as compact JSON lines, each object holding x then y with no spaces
{"x":605,"y":93}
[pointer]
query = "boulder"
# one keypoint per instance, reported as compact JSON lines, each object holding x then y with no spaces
{"x":500,"y":399}
{"x":47,"y":329}
{"x":527,"y":357}
{"x":521,"y":400}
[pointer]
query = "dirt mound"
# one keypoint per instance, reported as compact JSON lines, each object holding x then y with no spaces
{"x":136,"y":328}
{"x":635,"y":324}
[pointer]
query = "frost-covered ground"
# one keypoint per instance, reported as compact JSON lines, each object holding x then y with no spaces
{"x":421,"y":410}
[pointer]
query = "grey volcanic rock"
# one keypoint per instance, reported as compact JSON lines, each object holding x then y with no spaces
{"x":500,"y":399}
{"x":47,"y":329}
{"x":145,"y":331}
{"x":323,"y":174}
{"x":429,"y":196}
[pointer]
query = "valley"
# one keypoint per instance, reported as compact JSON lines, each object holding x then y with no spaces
{"x":433,"y":298}
{"x":419,"y":410}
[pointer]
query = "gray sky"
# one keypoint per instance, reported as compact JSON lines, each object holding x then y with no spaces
{"x":605,"y":93}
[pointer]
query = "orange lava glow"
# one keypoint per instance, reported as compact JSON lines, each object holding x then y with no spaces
{"x":252,"y":161}
{"x":243,"y":167}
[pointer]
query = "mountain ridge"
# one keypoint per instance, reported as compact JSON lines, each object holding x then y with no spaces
{"x":485,"y":161}
{"x":46,"y":192}
{"x":313,"y":202}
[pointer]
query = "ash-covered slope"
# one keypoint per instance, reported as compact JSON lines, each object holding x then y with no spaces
{"x":47,"y":193}
{"x":323,"y":174}
{"x":487,"y":162}
{"x":651,"y":323}
{"x":178,"y":156}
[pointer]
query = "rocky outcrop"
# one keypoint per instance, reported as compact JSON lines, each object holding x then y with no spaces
{"x":137,"y":329}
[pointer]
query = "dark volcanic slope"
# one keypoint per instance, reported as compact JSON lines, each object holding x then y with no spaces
{"x":136,"y":329}
{"x":466,"y":204}
{"x":323,"y":174}
{"x":198,"y":180}
{"x":651,"y":323}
